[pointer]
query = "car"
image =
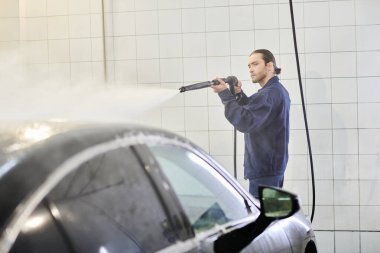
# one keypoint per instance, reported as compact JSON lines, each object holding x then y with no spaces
{"x":118,"y":187}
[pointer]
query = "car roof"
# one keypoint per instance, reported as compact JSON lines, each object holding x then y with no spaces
{"x":31,"y":151}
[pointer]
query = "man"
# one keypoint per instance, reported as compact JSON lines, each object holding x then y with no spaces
{"x":264,"y":120}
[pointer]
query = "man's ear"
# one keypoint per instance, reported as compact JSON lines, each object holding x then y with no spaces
{"x":270,"y":67}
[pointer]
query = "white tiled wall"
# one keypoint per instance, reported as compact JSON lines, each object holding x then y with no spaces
{"x":170,"y":43}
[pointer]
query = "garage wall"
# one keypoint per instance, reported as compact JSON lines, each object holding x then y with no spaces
{"x":170,"y":43}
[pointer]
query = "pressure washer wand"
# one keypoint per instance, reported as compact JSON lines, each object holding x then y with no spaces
{"x":196,"y":86}
{"x":231,"y":80}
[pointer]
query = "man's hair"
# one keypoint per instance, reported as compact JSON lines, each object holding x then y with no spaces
{"x":268,"y":57}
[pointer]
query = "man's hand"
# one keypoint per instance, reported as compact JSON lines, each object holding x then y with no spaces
{"x":237,"y":88}
{"x":219,"y":87}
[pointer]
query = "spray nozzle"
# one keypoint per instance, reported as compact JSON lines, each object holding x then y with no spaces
{"x":231,"y":80}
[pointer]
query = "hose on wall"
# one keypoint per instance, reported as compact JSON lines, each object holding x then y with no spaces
{"x":303,"y":108}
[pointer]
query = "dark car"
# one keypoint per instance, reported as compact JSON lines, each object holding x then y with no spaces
{"x":126,"y":188}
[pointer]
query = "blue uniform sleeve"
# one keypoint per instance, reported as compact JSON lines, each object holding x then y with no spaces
{"x":251,"y":116}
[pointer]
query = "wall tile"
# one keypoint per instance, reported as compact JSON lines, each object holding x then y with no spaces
{"x":368,"y":89}
{"x":367,"y":63}
{"x":80,"y":50}
{"x":217,"y":120}
{"x":369,"y":241}
{"x":173,"y":119}
{"x":242,"y":17}
{"x":148,"y":71}
{"x":218,"y":67}
{"x":266,"y":16}
{"x":126,"y":72}
{"x":59,"y":73}
{"x":323,"y":219}
{"x":348,"y":69}
{"x":146,"y":5}
{"x":218,"y":44}
{"x":10,"y":9}
{"x":370,"y":193}
{"x":80,"y":26}
{"x":287,"y":42}
{"x":321,"y":141}
{"x":297,"y":168}
{"x":285,"y":18}
{"x":168,"y":4}
{"x":316,"y":14}
{"x":343,"y":38}
{"x":345,"y":116}
{"x":96,"y":25}
{"x":369,"y":221}
{"x":171,"y":70}
{"x":194,"y":44}
{"x":193,"y":20}
{"x":57,"y":7}
{"x":125,"y":48}
{"x":124,"y":24}
{"x":323,"y":167}
{"x":124,"y":5}
{"x":346,"y":192}
{"x":318,"y":65}
{"x":342,"y":239}
{"x":170,"y":45}
{"x":221,"y":143}
{"x":196,"y":118}
{"x":342,"y":13}
{"x":344,"y":90}
{"x":369,"y":167}
{"x":343,"y":214}
{"x":369,"y":115}
{"x":194,"y":69}
{"x":9,"y":29}
{"x":369,"y":141}
{"x":34,"y":51}
{"x":213,"y":3}
{"x":318,"y":90}
{"x":268,"y":39}
{"x":192,"y":3}
{"x":346,"y":167}
{"x":196,"y":97}
{"x":213,"y":21}
{"x":317,"y":39}
{"x":366,"y":12}
{"x":242,"y":42}
{"x":200,"y":138}
{"x":367,"y":37}
{"x":170,"y":21}
{"x":325,"y":241}
{"x":147,"y":22}
{"x":79,"y":7}
{"x":297,"y":142}
{"x":319,"y":116}
{"x":240,"y":70}
{"x":296,"y":117}
{"x":33,"y":29}
{"x":58,"y":27}
{"x":80,"y":72}
{"x":59,"y":51}
{"x":345,"y":141}
{"x":147,"y":47}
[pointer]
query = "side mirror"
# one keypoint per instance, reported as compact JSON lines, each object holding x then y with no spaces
{"x":276,"y":203}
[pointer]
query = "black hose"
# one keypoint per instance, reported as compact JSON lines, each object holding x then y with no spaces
{"x":303,"y":108}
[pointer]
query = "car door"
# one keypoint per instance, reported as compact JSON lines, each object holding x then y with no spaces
{"x":107,"y":204}
{"x":207,"y":198}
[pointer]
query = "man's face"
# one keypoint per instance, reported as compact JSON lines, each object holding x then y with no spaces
{"x":257,"y":68}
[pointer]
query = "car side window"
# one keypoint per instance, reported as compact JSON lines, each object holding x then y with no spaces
{"x":207,"y":198}
{"x":109,"y":205}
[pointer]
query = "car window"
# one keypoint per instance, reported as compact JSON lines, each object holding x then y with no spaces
{"x":207,"y":198}
{"x":109,"y":205}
